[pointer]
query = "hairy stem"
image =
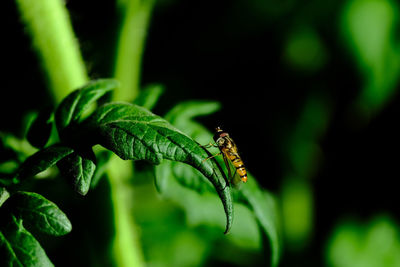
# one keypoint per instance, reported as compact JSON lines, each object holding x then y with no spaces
{"x":54,"y":41}
{"x":134,"y":26}
{"x":53,"y":38}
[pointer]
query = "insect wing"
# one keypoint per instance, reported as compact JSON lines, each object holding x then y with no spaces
{"x":228,"y":166}
{"x":235,"y":178}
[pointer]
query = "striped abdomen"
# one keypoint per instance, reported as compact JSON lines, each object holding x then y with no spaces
{"x":239,"y":165}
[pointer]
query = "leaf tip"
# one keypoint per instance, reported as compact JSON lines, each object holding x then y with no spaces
{"x":67,"y":227}
{"x":227,"y":229}
{"x":81,"y":190}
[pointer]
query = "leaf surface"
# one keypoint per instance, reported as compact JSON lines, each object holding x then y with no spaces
{"x":39,"y":213}
{"x":135,"y":133}
{"x":185,"y":112}
{"x":182,"y":117}
{"x":72,"y":107}
{"x":201,"y":206}
{"x":43,"y":160}
{"x":265,"y":209}
{"x":261,"y":202}
{"x":4,"y":195}
{"x":78,"y":168}
{"x":19,"y":248}
{"x":149,"y":96}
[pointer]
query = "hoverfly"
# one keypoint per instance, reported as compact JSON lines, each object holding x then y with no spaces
{"x":229,"y":152}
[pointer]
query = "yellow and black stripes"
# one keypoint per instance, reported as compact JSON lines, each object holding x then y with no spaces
{"x":240,"y":168}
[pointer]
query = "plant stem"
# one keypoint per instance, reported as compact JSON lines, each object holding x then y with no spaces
{"x":126,"y":248}
{"x":53,"y":38}
{"x":135,"y":19}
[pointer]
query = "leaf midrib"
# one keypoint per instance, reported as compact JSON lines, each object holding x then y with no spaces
{"x":10,"y":248}
{"x":149,"y":124}
{"x":52,"y":218}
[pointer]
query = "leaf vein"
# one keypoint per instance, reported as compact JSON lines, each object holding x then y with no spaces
{"x":10,"y":248}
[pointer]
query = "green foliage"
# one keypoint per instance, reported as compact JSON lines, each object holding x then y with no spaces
{"x":297,"y":209}
{"x":132,"y":132}
{"x":374,"y":244}
{"x":72,"y":107}
{"x":135,"y":133}
{"x":42,"y":160}
{"x":265,"y":209}
{"x":39,"y":213}
{"x":79,"y":168}
{"x":305,"y":51}
{"x":368,"y":27}
{"x":86,"y":133}
{"x":67,"y":117}
{"x":149,"y":96}
{"x":18,"y":246}
{"x":3,"y":195}
{"x":181,"y":116}
{"x":174,"y":181}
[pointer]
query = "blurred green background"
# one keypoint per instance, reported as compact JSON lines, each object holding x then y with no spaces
{"x":308,"y":90}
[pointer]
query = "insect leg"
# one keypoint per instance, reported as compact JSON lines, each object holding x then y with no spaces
{"x":209,"y":145}
{"x":212,"y":156}
{"x":228,"y":179}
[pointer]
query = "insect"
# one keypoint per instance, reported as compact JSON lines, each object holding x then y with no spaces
{"x":229,"y":152}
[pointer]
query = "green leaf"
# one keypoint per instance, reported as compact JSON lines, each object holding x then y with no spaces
{"x":265,"y":209}
{"x":184,"y":112}
{"x":7,"y":172}
{"x":369,"y":28}
{"x":190,"y":177}
{"x":12,"y":148}
{"x":40,"y":129}
{"x":43,"y":160}
{"x":149,"y":96}
{"x":182,"y":117}
{"x":39,"y":213}
{"x":201,"y":207}
{"x":78,"y":168}
{"x":355,"y":242}
{"x":72,"y":107}
{"x":19,"y":248}
{"x":259,"y":201}
{"x":135,"y":133}
{"x":4,"y":195}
